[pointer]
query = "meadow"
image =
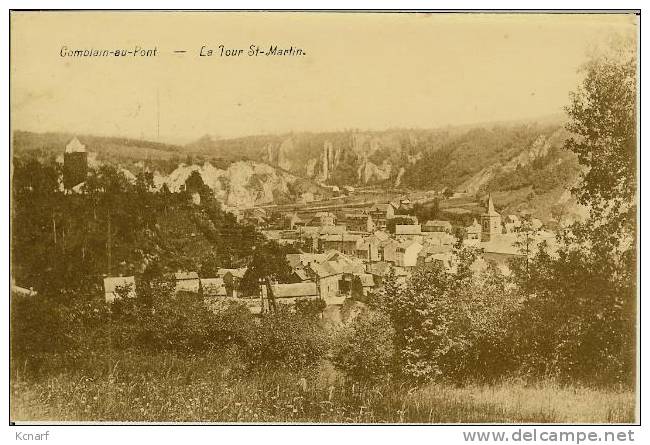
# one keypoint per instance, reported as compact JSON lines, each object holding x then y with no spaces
{"x":214,"y":387}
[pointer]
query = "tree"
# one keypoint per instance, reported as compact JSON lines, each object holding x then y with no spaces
{"x":578,"y":315}
{"x":603,"y":124}
{"x":451,"y":324}
{"x":268,"y":265}
{"x":194,"y":183}
{"x":391,"y":223}
{"x":356,"y":288}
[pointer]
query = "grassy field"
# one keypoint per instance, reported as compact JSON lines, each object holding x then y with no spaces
{"x":168,"y":388}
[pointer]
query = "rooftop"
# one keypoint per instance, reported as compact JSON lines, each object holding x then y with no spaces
{"x":438,"y":223}
{"x":239,"y":273}
{"x":213,"y":286}
{"x":408,"y":229}
{"x":186,"y":276}
{"x":306,"y":289}
{"x":74,"y":146}
{"x":490,"y":209}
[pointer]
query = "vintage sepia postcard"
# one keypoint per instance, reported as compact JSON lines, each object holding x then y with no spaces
{"x":324,"y":217}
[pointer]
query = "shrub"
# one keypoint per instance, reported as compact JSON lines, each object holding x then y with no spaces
{"x":160,"y":320}
{"x":450,"y":325}
{"x":232,"y":324}
{"x":285,"y":339}
{"x":310,"y":309}
{"x":364,"y":349}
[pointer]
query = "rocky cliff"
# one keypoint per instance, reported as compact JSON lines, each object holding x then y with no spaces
{"x":243,"y":184}
{"x":538,"y":150}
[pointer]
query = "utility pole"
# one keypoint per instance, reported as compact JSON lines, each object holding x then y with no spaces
{"x":109,"y":244}
{"x":270,"y":295}
{"x":263,"y":295}
{"x":54,"y":228}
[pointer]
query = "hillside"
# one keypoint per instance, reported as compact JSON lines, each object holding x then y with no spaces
{"x":523,"y":162}
{"x":237,"y":182}
{"x":62,"y":240}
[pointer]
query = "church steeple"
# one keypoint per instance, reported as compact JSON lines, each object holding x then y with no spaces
{"x":490,"y":221}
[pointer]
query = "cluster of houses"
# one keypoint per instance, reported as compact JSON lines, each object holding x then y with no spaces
{"x":338,"y":247}
{"x":353,"y":252}
{"x":224,"y":285}
{"x":343,"y":252}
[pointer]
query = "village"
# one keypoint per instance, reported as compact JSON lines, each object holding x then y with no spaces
{"x":345,"y":251}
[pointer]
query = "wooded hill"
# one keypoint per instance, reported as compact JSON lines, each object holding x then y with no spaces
{"x":525,"y":163}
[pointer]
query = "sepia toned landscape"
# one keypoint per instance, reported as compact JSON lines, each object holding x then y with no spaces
{"x":323,"y":217}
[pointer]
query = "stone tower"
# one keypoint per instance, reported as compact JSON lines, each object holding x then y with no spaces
{"x":490,"y":222}
{"x":75,"y":164}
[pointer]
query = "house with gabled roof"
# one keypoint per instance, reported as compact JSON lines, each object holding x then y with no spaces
{"x":437,"y":226}
{"x":367,"y":282}
{"x":408,"y":231}
{"x":289,"y":293}
{"x":368,"y":248}
{"x":387,"y":251}
{"x":359,"y":222}
{"x":213,"y":287}
{"x":345,"y":242}
{"x":407,"y":253}
{"x":381,"y":213}
{"x":187,"y":282}
{"x":381,"y":270}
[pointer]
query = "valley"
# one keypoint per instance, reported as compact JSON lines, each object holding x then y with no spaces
{"x":523,"y":163}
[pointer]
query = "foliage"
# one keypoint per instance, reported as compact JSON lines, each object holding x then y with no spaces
{"x":398,"y":220}
{"x":364,"y":348}
{"x":286,"y":339}
{"x":450,"y":324}
{"x":269,"y":263}
{"x":426,"y":212}
{"x":311,"y":309}
{"x":577,"y":320}
{"x":356,"y":288}
{"x":451,"y":160}
{"x":345,"y":172}
{"x":578,"y":317}
{"x":175,"y":387}
{"x":543,"y":175}
{"x":36,"y":328}
{"x":603,"y":123}
{"x":116,"y":226}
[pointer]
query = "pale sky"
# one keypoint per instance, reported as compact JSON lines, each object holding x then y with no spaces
{"x":362,"y":70}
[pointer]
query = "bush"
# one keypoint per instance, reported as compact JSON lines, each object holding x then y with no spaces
{"x":310,"y":309}
{"x":364,"y":349}
{"x":232,"y":325}
{"x":285,"y":339}
{"x":450,"y":326}
{"x":160,"y":320}
{"x":37,"y":326}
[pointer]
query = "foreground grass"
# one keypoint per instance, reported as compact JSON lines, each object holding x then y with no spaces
{"x":168,"y":388}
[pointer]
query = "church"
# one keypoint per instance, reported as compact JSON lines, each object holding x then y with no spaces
{"x":490,"y":222}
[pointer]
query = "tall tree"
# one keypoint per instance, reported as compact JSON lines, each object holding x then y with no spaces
{"x":580,"y":306}
{"x":603,"y":124}
{"x":268,"y":265}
